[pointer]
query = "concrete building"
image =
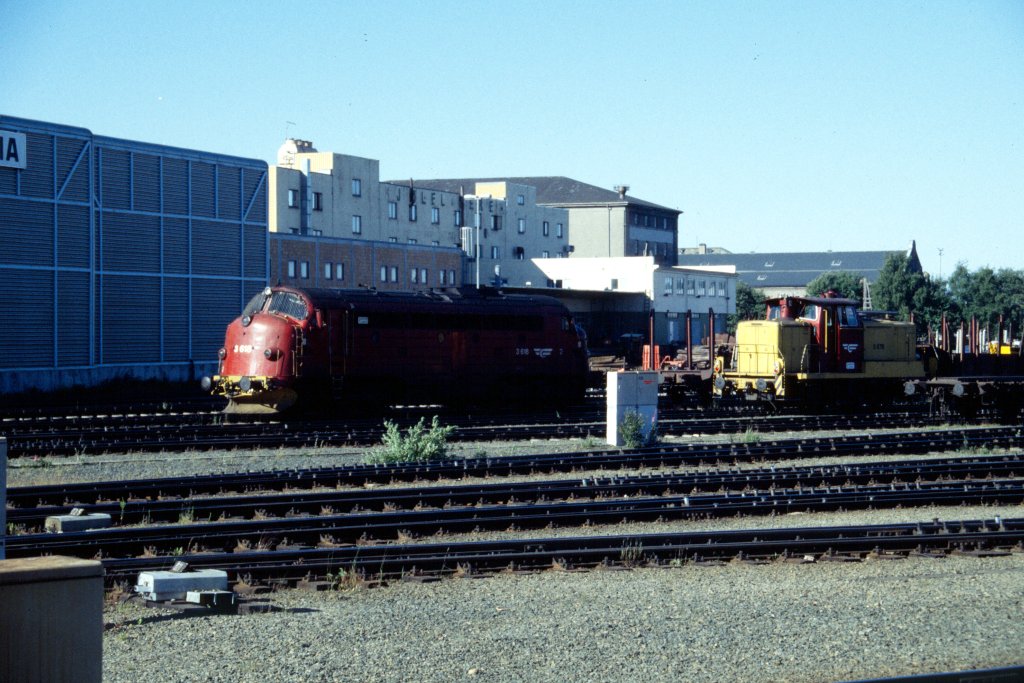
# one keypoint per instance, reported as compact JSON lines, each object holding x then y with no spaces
{"x":670,"y":292}
{"x":601,"y":223}
{"x":787,"y":273}
{"x":121,"y":258}
{"x":329,"y":209}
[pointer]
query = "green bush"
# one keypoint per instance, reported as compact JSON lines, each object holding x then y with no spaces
{"x":418,"y":445}
{"x":631,"y":429}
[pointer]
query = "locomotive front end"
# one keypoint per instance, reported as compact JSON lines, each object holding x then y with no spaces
{"x":259,"y":359}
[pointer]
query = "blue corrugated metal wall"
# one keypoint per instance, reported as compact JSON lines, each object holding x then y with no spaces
{"x":123,"y":258}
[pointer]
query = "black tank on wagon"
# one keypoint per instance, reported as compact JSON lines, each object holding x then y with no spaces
{"x":312,"y":347}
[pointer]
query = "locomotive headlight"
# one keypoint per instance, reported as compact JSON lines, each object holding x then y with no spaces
{"x":246,"y":320}
{"x":271,"y":354}
{"x":223,"y":353}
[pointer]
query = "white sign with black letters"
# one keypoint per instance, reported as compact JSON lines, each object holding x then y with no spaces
{"x":13,"y":150}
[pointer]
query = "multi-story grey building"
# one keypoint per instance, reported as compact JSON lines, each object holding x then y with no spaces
{"x":121,"y":258}
{"x":601,"y":223}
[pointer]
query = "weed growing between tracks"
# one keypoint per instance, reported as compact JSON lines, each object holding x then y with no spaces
{"x":418,"y":445}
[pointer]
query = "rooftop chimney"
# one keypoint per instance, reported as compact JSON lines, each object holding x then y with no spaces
{"x":622,"y":190}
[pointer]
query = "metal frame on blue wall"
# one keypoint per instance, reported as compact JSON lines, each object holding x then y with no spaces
{"x":146,"y":250}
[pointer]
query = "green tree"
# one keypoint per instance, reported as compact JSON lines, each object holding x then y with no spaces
{"x":986,"y":294}
{"x":908,"y":292}
{"x":842,"y":282}
{"x":749,"y":305}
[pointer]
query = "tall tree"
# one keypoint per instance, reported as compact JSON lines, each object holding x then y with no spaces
{"x":842,"y":282}
{"x":907,"y":292}
{"x":749,"y":305}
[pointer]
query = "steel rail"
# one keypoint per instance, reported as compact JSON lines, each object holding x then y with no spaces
{"x":661,"y":456}
{"x":389,"y":526}
{"x":394,"y":561}
{"x":306,"y":503}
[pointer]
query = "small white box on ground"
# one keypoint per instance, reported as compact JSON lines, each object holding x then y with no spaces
{"x":631,"y":392}
{"x":158,"y":586}
{"x":58,"y":524}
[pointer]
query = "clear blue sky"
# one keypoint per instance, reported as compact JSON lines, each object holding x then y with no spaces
{"x":773,"y":125}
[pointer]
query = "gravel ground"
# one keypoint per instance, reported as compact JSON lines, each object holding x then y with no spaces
{"x":737,"y":622}
{"x":778,"y":622}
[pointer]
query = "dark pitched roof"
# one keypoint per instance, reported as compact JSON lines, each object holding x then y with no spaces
{"x":551,"y":190}
{"x":784,"y":269}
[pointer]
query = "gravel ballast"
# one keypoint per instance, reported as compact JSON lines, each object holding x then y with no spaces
{"x":737,"y":622}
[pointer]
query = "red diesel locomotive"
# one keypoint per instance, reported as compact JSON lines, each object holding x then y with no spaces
{"x":363,"y":347}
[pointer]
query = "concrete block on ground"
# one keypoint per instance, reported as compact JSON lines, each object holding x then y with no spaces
{"x":58,"y":524}
{"x":51,"y":621}
{"x":158,"y":586}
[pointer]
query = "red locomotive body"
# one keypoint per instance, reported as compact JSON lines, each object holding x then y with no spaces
{"x":366,"y":347}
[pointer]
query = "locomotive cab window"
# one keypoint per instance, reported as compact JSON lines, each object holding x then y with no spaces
{"x":288,"y":304}
{"x":848,"y":316}
{"x":256,"y":303}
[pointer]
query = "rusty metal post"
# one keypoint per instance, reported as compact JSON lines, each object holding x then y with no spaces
{"x":689,"y":339}
{"x":711,"y":336}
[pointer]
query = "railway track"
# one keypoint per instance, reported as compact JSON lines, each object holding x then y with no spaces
{"x":906,"y":475}
{"x":324,"y":534}
{"x":126,"y":433}
{"x":660,"y":456}
{"x":391,"y":561}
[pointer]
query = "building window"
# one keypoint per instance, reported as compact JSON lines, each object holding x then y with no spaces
{"x":304,"y":270}
{"x":414,"y":275}
{"x":393,"y":240}
{"x":721,"y":289}
{"x":701,"y":288}
{"x":393,"y":210}
{"x":458,"y":218}
{"x":545,"y":228}
{"x":394,"y":273}
{"x":291,"y":269}
{"x":357,"y":225}
{"x":412,"y":212}
{"x":520,"y":254}
{"x":435,"y":243}
{"x":328,"y":270}
{"x":339,"y":271}
{"x":545,"y":254}
{"x":294,"y":231}
{"x":318,"y":201}
{"x":558,"y":230}
{"x":522,"y":226}
{"x":495,"y":222}
{"x":689,"y":287}
{"x":412,"y":240}
{"x":293,"y":199}
{"x":357,"y":187}
{"x":442,"y":276}
{"x":435,"y":215}
{"x":423,"y":275}
{"x":664,"y":223}
{"x":495,"y":253}
{"x":520,"y":199}
{"x":668,"y":286}
{"x":451,"y":277}
{"x":383,"y":273}
{"x":680,"y":285}
{"x":318,"y":233}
